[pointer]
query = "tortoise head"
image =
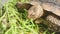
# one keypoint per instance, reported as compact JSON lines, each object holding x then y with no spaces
{"x":34,"y":9}
{"x":35,"y":12}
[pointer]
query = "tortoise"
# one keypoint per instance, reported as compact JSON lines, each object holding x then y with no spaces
{"x":47,"y":9}
{"x":53,"y":7}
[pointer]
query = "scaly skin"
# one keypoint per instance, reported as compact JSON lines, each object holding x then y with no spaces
{"x":35,"y":11}
{"x":54,"y":22}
